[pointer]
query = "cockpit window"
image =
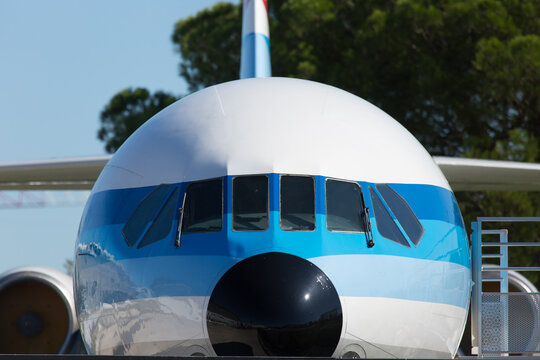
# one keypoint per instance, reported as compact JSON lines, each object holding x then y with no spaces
{"x":403,"y":213}
{"x":203,"y":207}
{"x":385,"y":223}
{"x":145,"y":212}
{"x":297,"y":199}
{"x":250,"y":203}
{"x":344,"y":206}
{"x":162,"y":225}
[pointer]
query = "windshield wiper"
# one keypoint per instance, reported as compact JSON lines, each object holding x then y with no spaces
{"x":180,"y":222}
{"x":367,"y":223}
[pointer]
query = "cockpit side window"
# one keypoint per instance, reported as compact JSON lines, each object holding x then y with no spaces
{"x":144,"y":214}
{"x":403,"y":213}
{"x":203,"y":207}
{"x":250,"y":203}
{"x":385,"y":223}
{"x":162,"y":225}
{"x":297,"y":201}
{"x":344,"y":206}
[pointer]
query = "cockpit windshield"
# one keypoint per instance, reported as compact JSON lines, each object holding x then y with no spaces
{"x":344,"y":206}
{"x":203,"y":207}
{"x":153,"y":217}
{"x":250,"y":203}
{"x":297,"y":199}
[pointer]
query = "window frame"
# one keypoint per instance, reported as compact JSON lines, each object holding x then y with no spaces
{"x":267,"y":201}
{"x":184,"y":198}
{"x":326,"y":205}
{"x":314,"y":202}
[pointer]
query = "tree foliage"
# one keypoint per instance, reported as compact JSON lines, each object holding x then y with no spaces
{"x":128,"y":110}
{"x":209,"y":44}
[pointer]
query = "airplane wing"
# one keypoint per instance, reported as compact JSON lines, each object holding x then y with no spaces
{"x":483,"y":175}
{"x":55,"y":174}
{"x":80,"y":174}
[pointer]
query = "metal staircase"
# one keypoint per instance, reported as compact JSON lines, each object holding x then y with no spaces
{"x":505,"y":308}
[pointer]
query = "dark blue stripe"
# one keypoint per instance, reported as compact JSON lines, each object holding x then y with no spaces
{"x":427,"y":201}
{"x":431,"y":202}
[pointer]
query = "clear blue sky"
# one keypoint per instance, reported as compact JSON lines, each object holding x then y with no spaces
{"x":60,"y":63}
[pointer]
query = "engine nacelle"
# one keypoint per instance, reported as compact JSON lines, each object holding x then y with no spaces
{"x":37,"y":313}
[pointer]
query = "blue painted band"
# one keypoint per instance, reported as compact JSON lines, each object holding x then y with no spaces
{"x":398,"y":277}
{"x":115,"y":206}
{"x":206,"y":256}
{"x":255,"y":60}
{"x":352,"y":275}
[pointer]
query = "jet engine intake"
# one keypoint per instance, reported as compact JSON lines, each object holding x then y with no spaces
{"x":37,"y":313}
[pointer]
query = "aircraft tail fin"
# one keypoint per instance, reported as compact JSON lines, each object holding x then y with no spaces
{"x":255,"y":60}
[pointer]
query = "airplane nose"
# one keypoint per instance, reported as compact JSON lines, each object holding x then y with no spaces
{"x":274,"y":304}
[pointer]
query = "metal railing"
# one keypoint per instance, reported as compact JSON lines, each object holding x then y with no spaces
{"x":502,"y":322}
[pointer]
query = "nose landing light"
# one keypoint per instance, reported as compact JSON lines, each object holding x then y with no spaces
{"x":274,"y":304}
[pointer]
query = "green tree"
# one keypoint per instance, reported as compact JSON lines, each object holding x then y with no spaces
{"x":510,"y":83}
{"x":209,"y":44}
{"x":128,"y":110}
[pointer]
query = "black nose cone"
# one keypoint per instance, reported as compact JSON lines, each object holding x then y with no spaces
{"x":274,"y":304}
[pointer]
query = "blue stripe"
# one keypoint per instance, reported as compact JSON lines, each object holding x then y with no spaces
{"x":352,"y":275}
{"x":398,"y":277}
{"x":255,"y":60}
{"x":445,"y":238}
{"x":427,"y":201}
{"x":422,"y":197}
{"x":437,"y":270}
{"x":113,"y":206}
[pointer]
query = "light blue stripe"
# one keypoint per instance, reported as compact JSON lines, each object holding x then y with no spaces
{"x":352,"y":275}
{"x":397,"y":277}
{"x":255,"y":60}
{"x":139,"y":278}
